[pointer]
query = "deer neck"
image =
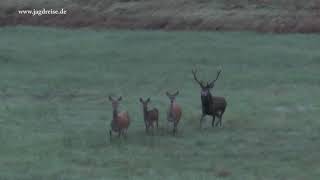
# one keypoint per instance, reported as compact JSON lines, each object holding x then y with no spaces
{"x":171,"y":107}
{"x":145,"y":112}
{"x":115,"y":114}
{"x":210,"y":99}
{"x":206,"y":100}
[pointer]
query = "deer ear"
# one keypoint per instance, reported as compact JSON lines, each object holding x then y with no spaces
{"x":167,"y":93}
{"x":120,"y":98}
{"x":110,"y":98}
{"x":140,"y":99}
{"x":148,"y":100}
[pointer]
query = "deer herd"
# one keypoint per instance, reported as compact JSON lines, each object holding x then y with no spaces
{"x":211,"y":105}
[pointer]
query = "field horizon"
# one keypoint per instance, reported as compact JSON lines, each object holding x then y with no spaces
{"x":55,"y":113}
{"x":276,"y":16}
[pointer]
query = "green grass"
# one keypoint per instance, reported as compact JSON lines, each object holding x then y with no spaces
{"x":54,"y":112}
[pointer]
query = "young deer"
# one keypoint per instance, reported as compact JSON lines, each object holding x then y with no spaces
{"x":120,"y":121}
{"x":150,"y":116}
{"x":174,"y":112}
{"x":211,"y":105}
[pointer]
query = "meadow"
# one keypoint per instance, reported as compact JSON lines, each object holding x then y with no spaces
{"x":55,"y":114}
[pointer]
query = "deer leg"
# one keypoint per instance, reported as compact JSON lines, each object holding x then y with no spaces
{"x":218,"y":123}
{"x":110,"y":134}
{"x":146,"y":124}
{"x":201,"y":119}
{"x":125,"y":133}
{"x":220,"y":119}
{"x":152,"y":126}
{"x":213,"y":119}
{"x":157,"y":123}
{"x":175,"y":128}
{"x":119,"y":133}
{"x":222,"y":112}
{"x":148,"y":128}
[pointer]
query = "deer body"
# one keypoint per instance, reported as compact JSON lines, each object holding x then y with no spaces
{"x":211,"y":105}
{"x":120,"y":121}
{"x":174,"y":112}
{"x":150,"y":116}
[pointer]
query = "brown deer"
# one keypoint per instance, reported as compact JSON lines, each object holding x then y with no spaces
{"x":150,"y":116}
{"x":174,"y":112}
{"x":120,"y":121}
{"x":211,"y":105}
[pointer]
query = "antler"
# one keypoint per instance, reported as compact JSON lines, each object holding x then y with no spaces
{"x":194,"y":72}
{"x":176,"y":93}
{"x":172,"y":95}
{"x":211,"y":84}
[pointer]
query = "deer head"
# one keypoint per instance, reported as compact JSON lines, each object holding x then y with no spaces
{"x":115,"y":103}
{"x":205,"y":87}
{"x":172,"y":97}
{"x":144,"y":103}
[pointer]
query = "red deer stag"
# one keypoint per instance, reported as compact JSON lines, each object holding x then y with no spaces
{"x":174,"y":112}
{"x":120,"y":121}
{"x":211,"y":105}
{"x":150,"y":116}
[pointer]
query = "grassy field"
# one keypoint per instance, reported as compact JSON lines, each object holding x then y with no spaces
{"x":54,"y":112}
